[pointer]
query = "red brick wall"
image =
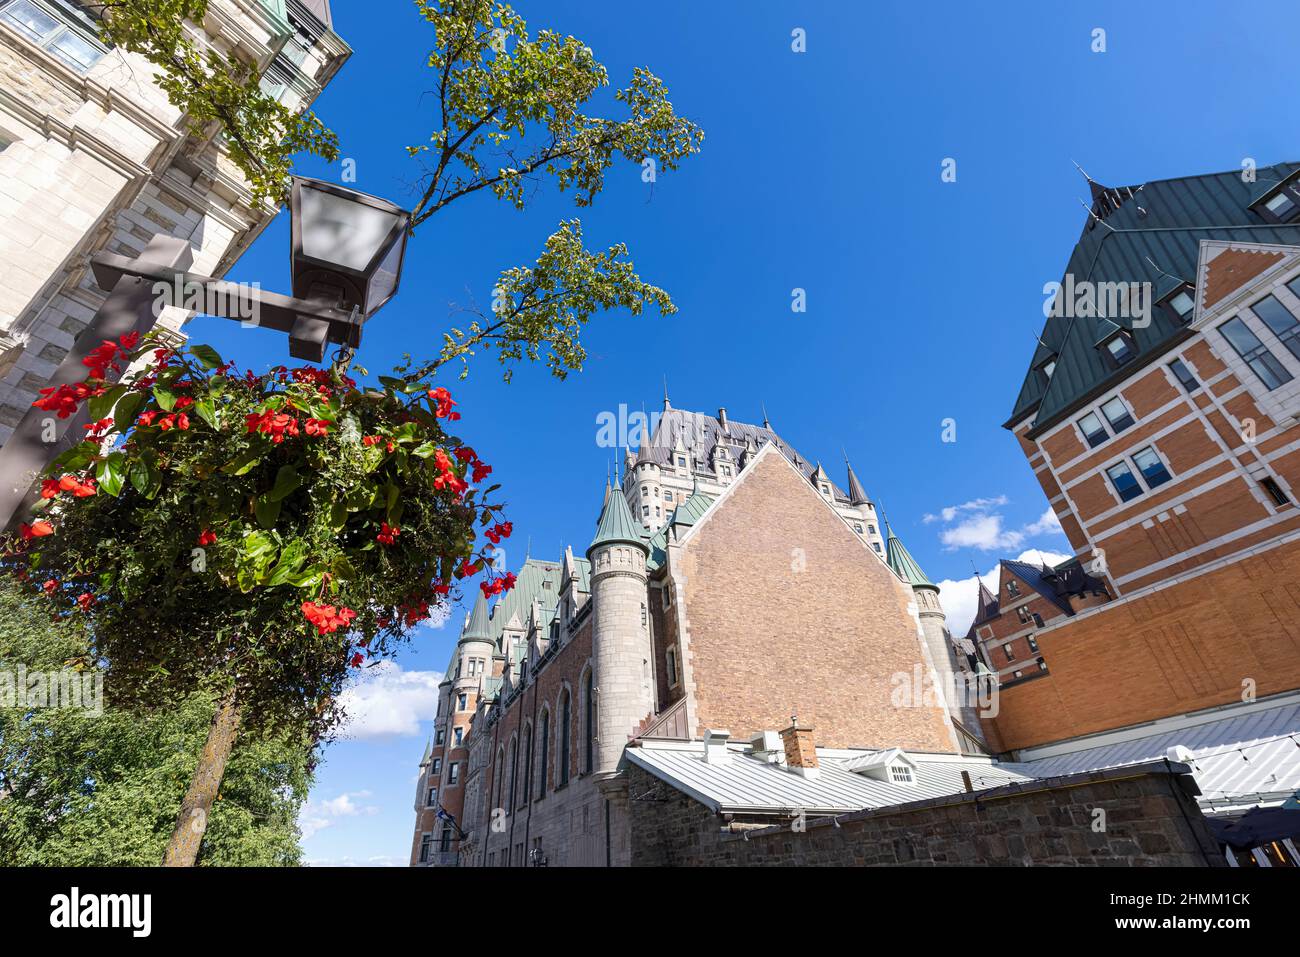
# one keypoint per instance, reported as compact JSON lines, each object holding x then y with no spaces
{"x":817,"y":633}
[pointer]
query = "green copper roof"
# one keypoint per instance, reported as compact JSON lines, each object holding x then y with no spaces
{"x":689,"y":512}
{"x":1148,"y":234}
{"x":903,"y":564}
{"x":617,"y":525}
{"x":478,"y":625}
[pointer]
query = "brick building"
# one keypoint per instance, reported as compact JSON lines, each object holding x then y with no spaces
{"x":93,"y":158}
{"x":652,"y":635}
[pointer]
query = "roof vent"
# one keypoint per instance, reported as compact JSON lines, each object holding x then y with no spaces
{"x":722,"y":419}
{"x":1180,"y":753}
{"x":715,"y":746}
{"x":766,"y":745}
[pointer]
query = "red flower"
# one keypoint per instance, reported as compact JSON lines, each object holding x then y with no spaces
{"x":498,"y":585}
{"x":35,"y":530}
{"x":146,"y":418}
{"x":85,"y":489}
{"x":318,"y":426}
{"x":51,"y":586}
{"x":101,"y":358}
{"x":64,"y":399}
{"x":481,"y":471}
{"x":443,"y":403}
{"x":466,"y":454}
{"x":466,"y":569}
{"x":86,"y":601}
{"x":387,"y":533}
{"x":371,"y":440}
{"x":50,"y":488}
{"x":499,"y":531}
{"x":275,"y":424}
{"x":184,"y":402}
{"x":442,"y":588}
{"x":129,"y":341}
{"x":357,"y":659}
{"x":326,"y":618}
{"x":207,"y":537}
{"x":95,"y":428}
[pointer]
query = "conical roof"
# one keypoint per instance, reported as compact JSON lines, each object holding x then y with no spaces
{"x":902,"y":562}
{"x":478,"y":627}
{"x":857,"y":494}
{"x":689,"y":512}
{"x":616,"y":525}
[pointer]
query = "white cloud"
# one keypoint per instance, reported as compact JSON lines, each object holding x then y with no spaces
{"x":386,"y":701}
{"x":980,"y":524}
{"x":960,"y":597}
{"x":315,"y":816}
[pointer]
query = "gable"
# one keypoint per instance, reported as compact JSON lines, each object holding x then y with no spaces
{"x":787,"y":611}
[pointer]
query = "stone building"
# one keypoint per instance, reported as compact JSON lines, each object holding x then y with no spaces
{"x":93,"y":158}
{"x":759,"y":590}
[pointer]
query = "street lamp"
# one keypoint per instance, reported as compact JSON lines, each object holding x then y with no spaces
{"x":347,"y":252}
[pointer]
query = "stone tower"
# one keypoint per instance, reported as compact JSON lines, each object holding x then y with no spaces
{"x":620,"y":638}
{"x":474,"y":651}
{"x":943,"y":655}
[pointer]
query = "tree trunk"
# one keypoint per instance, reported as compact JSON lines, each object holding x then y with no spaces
{"x":183,"y":848}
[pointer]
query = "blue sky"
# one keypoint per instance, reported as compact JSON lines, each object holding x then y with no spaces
{"x":821,"y":171}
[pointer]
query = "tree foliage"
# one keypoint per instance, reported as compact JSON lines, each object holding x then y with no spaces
{"x":513,"y":107}
{"x":262,"y":134}
{"x":79,"y":789}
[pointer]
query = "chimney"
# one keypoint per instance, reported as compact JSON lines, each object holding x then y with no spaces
{"x":800,"y":752}
{"x":722,"y":419}
{"x":715,"y":746}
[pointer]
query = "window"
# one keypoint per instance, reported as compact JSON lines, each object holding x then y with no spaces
{"x":441,"y":737}
{"x":1294,"y":286}
{"x":1093,"y":431}
{"x":643,"y":615}
{"x":426,"y":847}
{"x":1023,"y":614}
{"x":1038,"y":619}
{"x":1045,"y":370}
{"x":726,"y":470}
{"x":1033,"y":644}
{"x":1274,"y":491}
{"x":1152,"y":467}
{"x":672,"y":667}
{"x":1280,"y":322}
{"x":826,"y":489}
{"x":871,"y":529}
{"x":74,"y":45}
{"x":528,"y":766}
{"x":645,"y":492}
{"x":900,"y":774}
{"x":462,"y":701}
{"x":1042,"y":665}
{"x":1013,"y":589}
{"x":1120,"y":348}
{"x":668,"y":496}
{"x":453,"y":773}
{"x":589,"y":726}
{"x":514,"y":770}
{"x":437,"y":766}
{"x":857,"y":527}
{"x":645,"y":510}
{"x":457,"y":737}
{"x":444,"y":841}
{"x":1121,"y":476}
{"x":681,"y":461}
{"x":1181,"y":304}
{"x":876,"y":546}
{"x":1184,"y":375}
{"x":1117,"y":414}
{"x":566,"y":724}
{"x":431,"y":799}
{"x":1283,"y":206}
{"x":1017,"y":673}
{"x":1006,"y":649}
{"x":543,"y":758}
{"x":1255,"y":354}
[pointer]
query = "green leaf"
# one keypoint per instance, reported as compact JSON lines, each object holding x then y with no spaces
{"x":291,"y":558}
{"x":338,"y":515}
{"x":342,"y":568}
{"x":101,"y":405}
{"x":208,"y":357}
{"x":267,"y":511}
{"x":111,"y":474}
{"x":75,"y":459}
{"x":207,"y":410}
{"x":244,"y":462}
{"x":127,"y":409}
{"x":166,"y":398}
{"x":397,"y":385}
{"x":287,"y":480}
{"x":425,"y":451}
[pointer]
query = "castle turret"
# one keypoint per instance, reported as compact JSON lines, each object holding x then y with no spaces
{"x":948,"y":669}
{"x":646,"y":492}
{"x":621,"y":652}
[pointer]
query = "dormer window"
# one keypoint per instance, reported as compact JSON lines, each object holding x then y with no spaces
{"x":1045,"y":370}
{"x":681,"y":461}
{"x":1180,"y":304}
{"x":893,"y":766}
{"x":1283,"y":206}
{"x":1120,"y":348}
{"x":826,"y":489}
{"x":900,"y":774}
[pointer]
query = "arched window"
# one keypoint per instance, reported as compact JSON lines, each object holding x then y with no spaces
{"x":588,"y":725}
{"x":514,"y":769}
{"x":566,"y":725}
{"x":528,"y":766}
{"x":497,"y":776}
{"x":543,"y":753}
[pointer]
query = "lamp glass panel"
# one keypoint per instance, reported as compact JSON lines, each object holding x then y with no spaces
{"x":384,"y":282}
{"x":341,"y":232}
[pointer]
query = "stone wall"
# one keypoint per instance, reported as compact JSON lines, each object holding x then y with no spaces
{"x":1150,"y":820}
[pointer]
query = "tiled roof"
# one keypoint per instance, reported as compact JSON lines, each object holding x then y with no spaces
{"x":1152,"y":237}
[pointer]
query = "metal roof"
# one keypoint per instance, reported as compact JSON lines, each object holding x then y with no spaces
{"x":902,"y":562}
{"x":617,"y":525}
{"x":1244,"y":755}
{"x":746,"y":784}
{"x":1152,"y":237}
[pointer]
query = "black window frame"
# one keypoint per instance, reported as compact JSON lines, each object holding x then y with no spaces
{"x":1164,"y":468}
{"x":1291,"y":190}
{"x":1093,"y":439}
{"x":1114,"y":361}
{"x":1126,"y":419}
{"x":1260,"y":353}
{"x":1124,"y":498}
{"x":1044,"y":376}
{"x":1274,"y":491}
{"x":1167,"y":304}
{"x":1186,"y":378}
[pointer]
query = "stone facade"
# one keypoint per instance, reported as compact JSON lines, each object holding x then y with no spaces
{"x":1149,"y":818}
{"x":96,"y":160}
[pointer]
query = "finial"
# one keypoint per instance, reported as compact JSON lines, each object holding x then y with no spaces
{"x":766,"y":424}
{"x":667,"y":404}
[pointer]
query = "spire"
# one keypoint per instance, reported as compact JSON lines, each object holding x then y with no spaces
{"x":667,"y":405}
{"x":477,"y":626}
{"x":766,"y":424}
{"x":857,"y":494}
{"x":616,"y":525}
{"x":902,"y":562}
